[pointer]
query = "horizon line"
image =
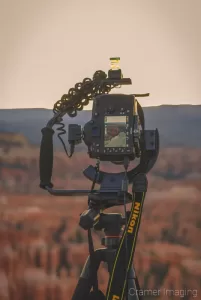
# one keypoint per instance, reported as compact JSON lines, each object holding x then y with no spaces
{"x":15,"y":108}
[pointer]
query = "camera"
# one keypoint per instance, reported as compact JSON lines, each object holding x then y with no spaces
{"x":114,"y":130}
{"x":109,"y":134}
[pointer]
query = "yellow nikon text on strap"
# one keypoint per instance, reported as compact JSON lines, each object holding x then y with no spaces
{"x":115,"y":297}
{"x":134,"y":217}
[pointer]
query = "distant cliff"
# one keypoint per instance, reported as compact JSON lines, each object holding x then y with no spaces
{"x":179,"y":125}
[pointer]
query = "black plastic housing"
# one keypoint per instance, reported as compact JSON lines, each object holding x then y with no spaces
{"x":105,"y":106}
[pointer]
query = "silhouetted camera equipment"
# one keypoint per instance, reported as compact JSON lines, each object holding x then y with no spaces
{"x":116,"y":133}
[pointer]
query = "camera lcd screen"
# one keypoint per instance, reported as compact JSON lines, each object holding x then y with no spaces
{"x":115,"y":131}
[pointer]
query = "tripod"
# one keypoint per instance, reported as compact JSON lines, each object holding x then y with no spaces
{"x":117,"y":247}
{"x":112,"y":225}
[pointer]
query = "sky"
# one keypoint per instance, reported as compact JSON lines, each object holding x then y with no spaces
{"x":47,"y":46}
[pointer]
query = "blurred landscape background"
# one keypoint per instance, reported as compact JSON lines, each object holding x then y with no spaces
{"x":42,"y":247}
{"x":45,"y":48}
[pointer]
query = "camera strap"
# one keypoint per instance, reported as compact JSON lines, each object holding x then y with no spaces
{"x":124,"y":256}
{"x":90,"y":240}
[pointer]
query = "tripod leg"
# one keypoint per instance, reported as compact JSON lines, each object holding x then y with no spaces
{"x":132,"y":281}
{"x":85,"y":281}
{"x":133,"y":286}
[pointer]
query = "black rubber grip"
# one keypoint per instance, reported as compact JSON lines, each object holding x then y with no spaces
{"x":46,"y":157}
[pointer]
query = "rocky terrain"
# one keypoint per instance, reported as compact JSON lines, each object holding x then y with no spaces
{"x":36,"y":230}
{"x":43,"y":249}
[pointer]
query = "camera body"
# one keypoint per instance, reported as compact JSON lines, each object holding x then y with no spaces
{"x":109,"y":134}
{"x":116,"y":129}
